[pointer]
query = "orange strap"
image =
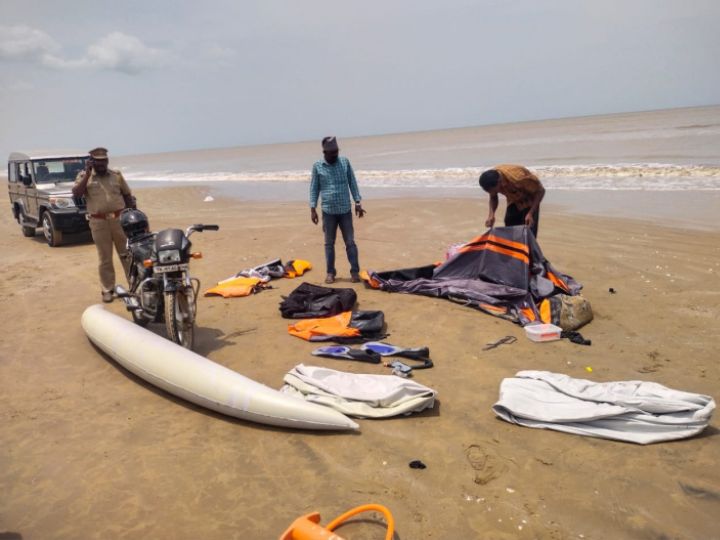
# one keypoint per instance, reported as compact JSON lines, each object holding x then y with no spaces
{"x":529,"y":313}
{"x":557,"y":281}
{"x":492,"y":238}
{"x":497,"y":249}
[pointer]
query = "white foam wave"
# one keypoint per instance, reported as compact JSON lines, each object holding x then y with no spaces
{"x":623,"y":176}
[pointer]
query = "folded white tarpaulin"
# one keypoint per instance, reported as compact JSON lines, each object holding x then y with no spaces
{"x":633,"y":411}
{"x":360,"y":395}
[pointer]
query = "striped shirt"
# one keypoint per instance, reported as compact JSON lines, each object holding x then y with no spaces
{"x":331,"y":183}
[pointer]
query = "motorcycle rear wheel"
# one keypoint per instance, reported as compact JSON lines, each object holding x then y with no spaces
{"x":179,"y":318}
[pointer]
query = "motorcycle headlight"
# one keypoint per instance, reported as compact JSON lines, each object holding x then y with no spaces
{"x":61,"y":202}
{"x":169,"y":256}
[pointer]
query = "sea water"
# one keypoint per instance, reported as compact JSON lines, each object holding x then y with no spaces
{"x":658,"y":165}
{"x":669,"y":150}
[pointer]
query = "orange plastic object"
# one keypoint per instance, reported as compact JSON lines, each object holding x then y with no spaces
{"x":308,"y":527}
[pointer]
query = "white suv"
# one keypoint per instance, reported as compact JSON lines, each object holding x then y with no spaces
{"x":40,"y":189}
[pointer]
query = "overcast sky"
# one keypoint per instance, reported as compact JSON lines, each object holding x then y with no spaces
{"x":143,"y":76}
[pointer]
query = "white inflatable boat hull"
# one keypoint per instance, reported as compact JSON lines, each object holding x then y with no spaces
{"x":201,"y":381}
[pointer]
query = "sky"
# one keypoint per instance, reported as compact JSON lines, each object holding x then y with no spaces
{"x":143,"y":76}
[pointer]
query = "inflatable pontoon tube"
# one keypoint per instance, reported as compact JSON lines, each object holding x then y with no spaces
{"x":199,"y":380}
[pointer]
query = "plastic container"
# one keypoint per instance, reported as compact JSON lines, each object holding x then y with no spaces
{"x":542,"y":332}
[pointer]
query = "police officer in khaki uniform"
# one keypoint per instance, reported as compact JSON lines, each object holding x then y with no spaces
{"x":107,"y":194}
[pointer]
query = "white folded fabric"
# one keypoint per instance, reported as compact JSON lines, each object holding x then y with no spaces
{"x":359,"y":395}
{"x":633,"y":411}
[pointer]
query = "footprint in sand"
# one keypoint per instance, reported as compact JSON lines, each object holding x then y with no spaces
{"x":653,"y":365}
{"x":486,"y":464}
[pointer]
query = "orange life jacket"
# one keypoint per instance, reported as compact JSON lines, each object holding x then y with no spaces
{"x":240,"y":286}
{"x":337,"y":325}
{"x":296,"y":267}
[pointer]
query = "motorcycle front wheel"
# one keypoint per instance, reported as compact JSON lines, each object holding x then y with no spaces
{"x":179,"y":318}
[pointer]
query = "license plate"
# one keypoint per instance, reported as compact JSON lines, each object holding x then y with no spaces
{"x":169,"y":268}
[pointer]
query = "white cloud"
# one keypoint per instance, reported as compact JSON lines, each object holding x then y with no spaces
{"x":25,"y":43}
{"x":116,"y":51}
{"x":126,"y":53}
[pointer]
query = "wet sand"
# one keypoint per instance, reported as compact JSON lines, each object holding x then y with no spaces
{"x":91,"y":451}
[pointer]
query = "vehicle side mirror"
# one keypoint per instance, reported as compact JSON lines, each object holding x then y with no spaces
{"x":27,"y":181}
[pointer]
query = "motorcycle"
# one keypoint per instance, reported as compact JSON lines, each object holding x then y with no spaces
{"x":161,"y":288}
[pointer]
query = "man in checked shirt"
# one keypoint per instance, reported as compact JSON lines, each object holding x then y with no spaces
{"x":523,"y":191}
{"x":333,"y":180}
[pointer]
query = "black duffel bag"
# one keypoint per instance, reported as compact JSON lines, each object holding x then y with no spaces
{"x":309,"y":301}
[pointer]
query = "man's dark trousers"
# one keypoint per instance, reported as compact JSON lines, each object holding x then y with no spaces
{"x":515,"y":216}
{"x":331,"y":222}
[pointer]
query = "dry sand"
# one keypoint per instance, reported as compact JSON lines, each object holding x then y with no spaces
{"x":91,"y":451}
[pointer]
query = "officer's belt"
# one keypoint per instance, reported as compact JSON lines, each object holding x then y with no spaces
{"x":109,"y":215}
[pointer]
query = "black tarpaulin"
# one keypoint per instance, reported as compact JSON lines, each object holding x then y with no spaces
{"x":502,"y":272}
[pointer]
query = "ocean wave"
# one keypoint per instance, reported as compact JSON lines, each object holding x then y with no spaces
{"x":623,"y":176}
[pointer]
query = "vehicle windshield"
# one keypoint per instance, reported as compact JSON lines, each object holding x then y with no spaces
{"x":58,"y":170}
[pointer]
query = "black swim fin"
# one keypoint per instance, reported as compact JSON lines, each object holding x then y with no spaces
{"x":347,"y":353}
{"x":420,"y":354}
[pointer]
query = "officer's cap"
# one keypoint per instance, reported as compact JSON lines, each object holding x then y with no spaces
{"x":99,"y":153}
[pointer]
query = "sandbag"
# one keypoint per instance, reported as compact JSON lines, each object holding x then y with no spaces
{"x":570,"y":312}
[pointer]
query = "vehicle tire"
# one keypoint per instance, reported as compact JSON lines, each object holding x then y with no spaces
{"x":179,"y":318}
{"x":28,"y":231}
{"x":53,"y":237}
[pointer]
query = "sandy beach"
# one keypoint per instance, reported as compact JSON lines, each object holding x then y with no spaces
{"x":91,"y":451}
{"x":228,"y":113}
